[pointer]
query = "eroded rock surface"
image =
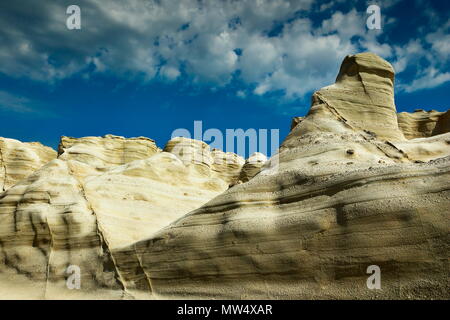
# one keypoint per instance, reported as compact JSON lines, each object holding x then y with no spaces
{"x":363,"y":96}
{"x":342,"y":194}
{"x":346,"y":191}
{"x":107,"y":151}
{"x":99,"y":195}
{"x":443,"y":124}
{"x":46,"y":225}
{"x":295,"y":121}
{"x":419,"y":124}
{"x":252,"y":166}
{"x":20,"y":159}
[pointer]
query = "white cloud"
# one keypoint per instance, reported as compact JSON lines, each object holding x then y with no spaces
{"x":407,"y":55}
{"x":440,"y":41}
{"x":346,"y":25}
{"x":431,"y":78}
{"x":169,"y":72}
{"x":427,"y":56}
{"x":166,"y":38}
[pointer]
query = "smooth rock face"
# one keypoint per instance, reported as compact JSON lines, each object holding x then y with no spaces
{"x":137,"y":199}
{"x":294,"y":236}
{"x":191,"y":152}
{"x":341,"y":195}
{"x":20,"y":159}
{"x":225,"y":166}
{"x":430,"y":131}
{"x":419,"y":124}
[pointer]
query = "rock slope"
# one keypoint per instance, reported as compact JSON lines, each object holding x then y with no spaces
{"x":99,"y":195}
{"x":341,"y":195}
{"x":353,"y":185}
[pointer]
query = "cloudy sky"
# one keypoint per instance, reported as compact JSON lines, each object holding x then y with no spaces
{"x":148,"y":67}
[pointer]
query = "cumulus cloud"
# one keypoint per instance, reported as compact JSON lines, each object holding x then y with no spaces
{"x":431,"y":78}
{"x":429,"y":56}
{"x":269,"y":45}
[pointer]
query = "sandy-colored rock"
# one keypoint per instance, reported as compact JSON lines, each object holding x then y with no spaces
{"x":341,"y":196}
{"x":19,"y":159}
{"x":193,"y":153}
{"x":197,"y":154}
{"x":295,"y":121}
{"x":294,"y":236}
{"x":419,"y":124}
{"x":227,"y":165}
{"x":137,"y":199}
{"x":78,"y":208}
{"x":363,"y":96}
{"x":345,"y":191}
{"x":46,"y":225}
{"x":107,"y":151}
{"x":426,"y":149}
{"x":252,"y":166}
{"x":443,"y":124}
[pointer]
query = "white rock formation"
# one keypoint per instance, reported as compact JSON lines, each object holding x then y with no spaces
{"x":20,"y":159}
{"x":101,"y":194}
{"x":344,"y":196}
{"x":346,"y":190}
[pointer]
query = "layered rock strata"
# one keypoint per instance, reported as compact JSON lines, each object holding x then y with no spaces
{"x":252,"y":166}
{"x":19,"y":159}
{"x":106,"y":151}
{"x":341,"y":195}
{"x":420,"y":123}
{"x":346,"y":191}
{"x":99,"y":195}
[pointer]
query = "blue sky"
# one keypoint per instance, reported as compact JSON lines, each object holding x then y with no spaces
{"x":146,"y":68}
